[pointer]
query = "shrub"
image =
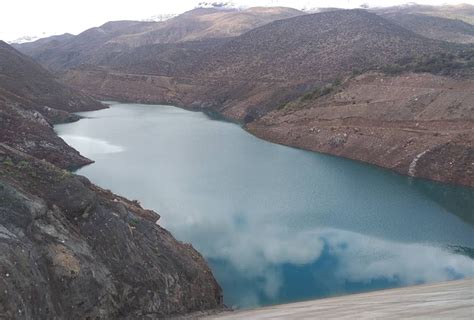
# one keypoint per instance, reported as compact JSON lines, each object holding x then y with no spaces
{"x":439,"y":63}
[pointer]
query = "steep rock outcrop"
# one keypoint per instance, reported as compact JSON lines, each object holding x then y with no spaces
{"x":71,"y":250}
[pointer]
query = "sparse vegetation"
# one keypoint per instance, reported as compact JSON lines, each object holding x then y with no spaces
{"x":23,"y":164}
{"x":8,"y":161}
{"x":133,"y":221}
{"x":322,"y":91}
{"x":440,"y":63}
{"x":65,"y":174}
{"x":313,"y":94}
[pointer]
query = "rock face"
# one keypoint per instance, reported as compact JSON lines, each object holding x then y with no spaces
{"x":69,"y":249}
{"x":420,"y":125}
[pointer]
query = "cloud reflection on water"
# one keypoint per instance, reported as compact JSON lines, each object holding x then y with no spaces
{"x":341,"y":260}
{"x":91,"y":146}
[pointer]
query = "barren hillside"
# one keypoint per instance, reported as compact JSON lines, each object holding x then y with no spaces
{"x":246,"y":76}
{"x":204,"y":23}
{"x":435,"y":27}
{"x":464,"y":12}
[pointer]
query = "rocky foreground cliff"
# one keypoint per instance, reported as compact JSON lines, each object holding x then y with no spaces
{"x":69,"y":249}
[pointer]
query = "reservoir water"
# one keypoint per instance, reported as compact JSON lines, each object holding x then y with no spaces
{"x":277,"y":224}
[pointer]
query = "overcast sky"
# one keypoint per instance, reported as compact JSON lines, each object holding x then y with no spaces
{"x":20,"y":18}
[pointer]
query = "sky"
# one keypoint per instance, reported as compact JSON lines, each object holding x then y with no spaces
{"x":39,"y":18}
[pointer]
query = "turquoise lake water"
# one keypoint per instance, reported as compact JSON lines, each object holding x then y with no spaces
{"x":277,"y":224}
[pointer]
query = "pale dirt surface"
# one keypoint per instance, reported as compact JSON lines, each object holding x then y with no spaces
{"x":446,"y":300}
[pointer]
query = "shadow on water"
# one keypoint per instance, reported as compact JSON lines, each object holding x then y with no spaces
{"x":455,"y":199}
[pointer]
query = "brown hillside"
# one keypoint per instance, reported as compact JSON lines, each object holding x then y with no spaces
{"x":65,"y":52}
{"x":246,"y":76}
{"x":113,"y":38}
{"x":203,"y":23}
{"x":435,"y":27}
{"x":464,"y":12}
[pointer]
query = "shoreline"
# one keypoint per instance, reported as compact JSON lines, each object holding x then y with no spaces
{"x":425,"y":139}
{"x":261,"y":136}
{"x":268,"y":137}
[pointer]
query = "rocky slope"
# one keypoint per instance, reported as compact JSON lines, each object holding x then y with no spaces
{"x":31,"y":100}
{"x":416,"y":124}
{"x":69,"y":249}
{"x":113,"y":38}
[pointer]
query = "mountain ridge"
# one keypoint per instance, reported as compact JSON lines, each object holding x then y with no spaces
{"x":116,"y":36}
{"x":235,"y":75}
